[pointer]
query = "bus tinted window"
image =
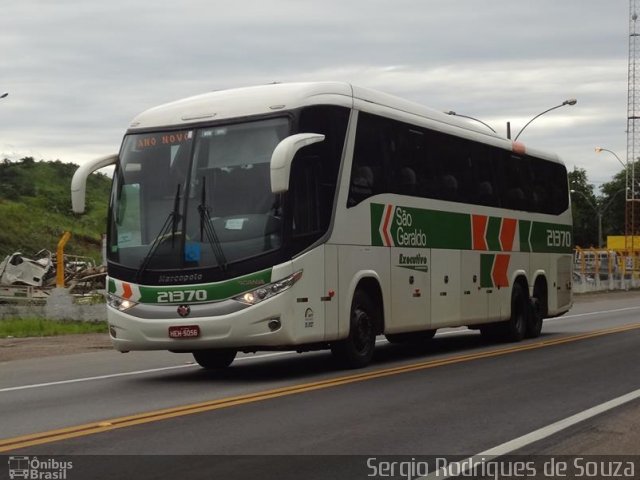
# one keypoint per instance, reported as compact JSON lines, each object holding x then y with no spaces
{"x":370,"y":158}
{"x":395,"y":157}
{"x":314,"y":173}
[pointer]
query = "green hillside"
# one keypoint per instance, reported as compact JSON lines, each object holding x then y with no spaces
{"x":35,"y":208}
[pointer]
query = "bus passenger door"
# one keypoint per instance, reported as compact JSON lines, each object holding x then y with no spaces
{"x":410,"y":289}
{"x":445,"y":288}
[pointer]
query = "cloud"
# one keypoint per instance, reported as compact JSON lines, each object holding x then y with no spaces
{"x":79,"y":70}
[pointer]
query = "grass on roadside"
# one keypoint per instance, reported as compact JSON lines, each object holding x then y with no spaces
{"x":40,"y":327}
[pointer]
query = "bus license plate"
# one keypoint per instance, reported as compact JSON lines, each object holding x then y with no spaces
{"x":184,"y":331}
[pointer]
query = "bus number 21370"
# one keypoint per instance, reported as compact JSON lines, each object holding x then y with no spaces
{"x":558,"y":238}
{"x":178,"y":296}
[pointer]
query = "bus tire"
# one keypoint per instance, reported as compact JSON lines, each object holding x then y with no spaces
{"x":214,"y":359}
{"x":356,"y":351}
{"x":534,"y":320}
{"x":514,"y":329}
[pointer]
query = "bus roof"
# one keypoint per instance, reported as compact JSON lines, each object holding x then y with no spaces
{"x":265,"y":99}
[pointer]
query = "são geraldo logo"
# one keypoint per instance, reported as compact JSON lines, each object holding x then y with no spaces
{"x":398,"y":228}
{"x":38,"y":469}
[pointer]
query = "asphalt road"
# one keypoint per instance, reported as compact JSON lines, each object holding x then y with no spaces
{"x":460,"y":397}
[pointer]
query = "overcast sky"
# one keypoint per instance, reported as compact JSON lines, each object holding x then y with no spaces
{"x":77,"y":71}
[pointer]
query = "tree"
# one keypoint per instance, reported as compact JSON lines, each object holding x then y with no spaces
{"x":613,"y":203}
{"x":584,"y":204}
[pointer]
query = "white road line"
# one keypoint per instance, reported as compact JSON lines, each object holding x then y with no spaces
{"x":540,"y":434}
{"x":126,"y":374}
{"x":175,"y":367}
{"x":594,"y":313}
{"x":141,"y":372}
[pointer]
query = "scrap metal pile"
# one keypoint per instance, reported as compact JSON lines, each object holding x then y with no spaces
{"x":81,"y":274}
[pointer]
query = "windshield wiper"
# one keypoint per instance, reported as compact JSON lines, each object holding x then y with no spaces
{"x":207,"y":228}
{"x":170,"y":225}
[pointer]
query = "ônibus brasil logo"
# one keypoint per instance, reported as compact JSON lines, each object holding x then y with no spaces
{"x":35,"y":468}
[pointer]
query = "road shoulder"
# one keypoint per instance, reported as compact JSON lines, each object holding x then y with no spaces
{"x":39,"y":347}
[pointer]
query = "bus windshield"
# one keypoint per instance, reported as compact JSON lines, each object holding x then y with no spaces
{"x":196,"y":198}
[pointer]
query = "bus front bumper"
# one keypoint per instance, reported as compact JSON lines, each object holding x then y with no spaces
{"x":268,"y":324}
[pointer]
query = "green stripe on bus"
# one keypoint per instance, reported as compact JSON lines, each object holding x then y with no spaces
{"x":377,"y":211}
{"x":209,"y":292}
{"x":493,"y":233}
{"x":408,"y":227}
{"x":445,"y":229}
{"x":524,"y":230}
{"x":486,"y":267}
{"x":420,"y":228}
{"x":551,"y":238}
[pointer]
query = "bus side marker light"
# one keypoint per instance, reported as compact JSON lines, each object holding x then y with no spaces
{"x":274,"y":324}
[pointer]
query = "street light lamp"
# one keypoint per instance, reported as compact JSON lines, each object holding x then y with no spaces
{"x":600,"y":149}
{"x":571,"y":101}
{"x":5,"y":94}
{"x":452,"y":113}
{"x":599,"y":211}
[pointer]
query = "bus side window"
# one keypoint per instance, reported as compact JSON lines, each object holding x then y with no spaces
{"x":485,"y":194}
{"x":314,"y":173}
{"x":305,"y":195}
{"x":540,"y":198}
{"x":361,"y":186}
{"x":369,"y":157}
{"x":449,"y":188}
{"x":518,"y":183}
{"x":554,"y":197}
{"x":406,"y":181}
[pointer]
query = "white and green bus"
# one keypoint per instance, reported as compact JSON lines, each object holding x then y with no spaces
{"x":320,"y":215}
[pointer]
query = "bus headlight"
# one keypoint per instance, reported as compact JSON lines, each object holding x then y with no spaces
{"x":264,"y":292}
{"x":119,"y":303}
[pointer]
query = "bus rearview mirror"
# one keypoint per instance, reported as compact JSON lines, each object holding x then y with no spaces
{"x":79,"y":180}
{"x":283,"y":155}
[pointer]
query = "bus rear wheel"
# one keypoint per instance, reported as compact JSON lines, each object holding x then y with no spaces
{"x":514,"y":329}
{"x":214,"y":359}
{"x":534,"y":322}
{"x":356,"y":351}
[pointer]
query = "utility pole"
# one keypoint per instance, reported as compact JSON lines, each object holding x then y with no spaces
{"x":632,"y":212}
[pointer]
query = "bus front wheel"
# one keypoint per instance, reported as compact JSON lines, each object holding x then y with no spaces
{"x":214,"y":359}
{"x":356,"y":351}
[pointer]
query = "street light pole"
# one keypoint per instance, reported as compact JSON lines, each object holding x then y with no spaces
{"x":571,"y":101}
{"x":454,"y":114}
{"x":629,"y":191}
